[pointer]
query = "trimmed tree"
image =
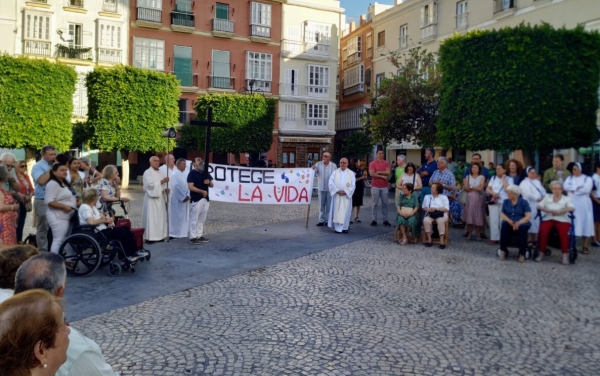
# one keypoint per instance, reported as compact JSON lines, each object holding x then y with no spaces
{"x":36,"y":104}
{"x":531,"y":88}
{"x":406,"y":106}
{"x":250,"y":120}
{"x":129,"y":108}
{"x":357,"y":145}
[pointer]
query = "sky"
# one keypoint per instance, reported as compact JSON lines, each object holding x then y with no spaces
{"x":354,"y":8}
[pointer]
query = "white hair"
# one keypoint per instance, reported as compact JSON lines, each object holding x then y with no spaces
{"x":514,"y":189}
{"x":443,"y":159}
{"x":7,"y":156}
{"x":554,"y":183}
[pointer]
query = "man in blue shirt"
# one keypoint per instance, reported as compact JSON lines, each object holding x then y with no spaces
{"x":41,"y":175}
{"x":476,"y":158}
{"x":427,"y":169}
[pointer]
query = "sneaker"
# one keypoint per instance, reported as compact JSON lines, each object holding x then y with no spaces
{"x":387,"y":224}
{"x":193,"y":240}
{"x":202,"y":239}
{"x":141,"y":253}
{"x":374,"y":223}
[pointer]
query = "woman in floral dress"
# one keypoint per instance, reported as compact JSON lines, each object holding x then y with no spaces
{"x":9,"y":210}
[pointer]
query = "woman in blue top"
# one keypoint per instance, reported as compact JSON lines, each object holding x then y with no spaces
{"x":515,"y":215}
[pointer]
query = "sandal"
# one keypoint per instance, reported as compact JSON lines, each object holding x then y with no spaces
{"x":357,"y":220}
{"x":585,"y":251}
{"x":404,"y":241}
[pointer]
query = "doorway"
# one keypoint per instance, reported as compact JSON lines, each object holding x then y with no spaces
{"x":288,"y":157}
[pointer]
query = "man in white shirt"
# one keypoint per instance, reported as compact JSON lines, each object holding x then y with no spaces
{"x":47,"y":271}
{"x":323,"y":171}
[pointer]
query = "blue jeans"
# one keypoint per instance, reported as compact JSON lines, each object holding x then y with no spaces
{"x":380,"y":194}
{"x":325,"y":199}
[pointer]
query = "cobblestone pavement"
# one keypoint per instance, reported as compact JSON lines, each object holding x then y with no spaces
{"x":370,"y":307}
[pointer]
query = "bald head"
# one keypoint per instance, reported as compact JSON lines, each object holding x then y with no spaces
{"x":45,"y":271}
{"x":154,"y":162}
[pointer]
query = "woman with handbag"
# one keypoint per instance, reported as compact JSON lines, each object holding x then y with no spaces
{"x":496,"y":191}
{"x":407,"y":207}
{"x":474,"y":208}
{"x":436,"y":207}
{"x":27,"y":191}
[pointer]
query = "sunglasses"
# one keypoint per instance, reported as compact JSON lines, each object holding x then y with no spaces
{"x":23,"y":166}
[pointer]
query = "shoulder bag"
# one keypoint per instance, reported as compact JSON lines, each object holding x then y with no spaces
{"x":462,"y":197}
{"x":435,"y":214}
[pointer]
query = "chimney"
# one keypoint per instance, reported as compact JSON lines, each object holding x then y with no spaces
{"x":352,"y":26}
{"x":363,"y":19}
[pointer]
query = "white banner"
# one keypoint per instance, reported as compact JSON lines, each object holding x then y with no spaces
{"x":250,"y":185}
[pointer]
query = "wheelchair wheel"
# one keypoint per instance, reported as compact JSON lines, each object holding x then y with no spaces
{"x":114,"y":269}
{"x":82,"y":254}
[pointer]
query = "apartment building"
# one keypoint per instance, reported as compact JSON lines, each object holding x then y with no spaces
{"x":355,"y":75}
{"x":80,"y":33}
{"x":428,"y":22}
{"x":307,"y":95}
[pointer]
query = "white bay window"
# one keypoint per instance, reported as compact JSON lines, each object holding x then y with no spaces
{"x":318,"y":81}
{"x":149,"y":53}
{"x":316,"y":115}
{"x":259,"y":67}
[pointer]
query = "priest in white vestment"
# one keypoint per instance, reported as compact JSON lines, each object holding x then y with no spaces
{"x":180,"y":202}
{"x":168,"y":170}
{"x":342,"y":184}
{"x":154,"y":214}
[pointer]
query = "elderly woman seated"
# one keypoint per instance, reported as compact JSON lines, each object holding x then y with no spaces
{"x":33,"y":334}
{"x":555,"y":208}
{"x":515,"y":215}
{"x":436,"y":207}
{"x":10,"y":260}
{"x":89,"y":214}
{"x":407,"y":207}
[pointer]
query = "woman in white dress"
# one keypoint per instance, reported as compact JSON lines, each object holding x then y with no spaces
{"x":496,"y":191}
{"x":533,"y":191}
{"x":578,"y":187}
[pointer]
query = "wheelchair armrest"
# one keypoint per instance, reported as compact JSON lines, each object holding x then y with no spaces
{"x":84,"y":228}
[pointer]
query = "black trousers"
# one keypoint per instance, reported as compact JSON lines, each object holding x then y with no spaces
{"x":21,"y":221}
{"x":507,"y":232}
{"x":124,"y":235}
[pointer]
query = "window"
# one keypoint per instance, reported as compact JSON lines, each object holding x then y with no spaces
{"x":461,"y":14}
{"x":109,"y":36}
{"x":149,"y":53}
{"x":76,"y":33}
{"x":222,"y":12}
{"x":369,"y":46}
{"x":381,"y":39}
{"x":259,"y":68}
{"x":291,"y":82}
{"x":318,"y":80}
{"x":403,"y":36}
{"x":289,"y":114}
{"x":149,"y":10}
{"x":80,"y":102}
{"x":37,"y":35}
{"x":183,"y":114}
{"x":182,"y":64}
{"x":368,"y":75}
{"x":288,"y":156}
{"x":150,"y":4}
{"x":220,"y":70}
{"x":378,"y":78}
{"x":316,"y":114}
{"x":354,"y":76}
{"x":317,"y":37}
{"x":354,"y":49}
{"x":293,"y":33}
{"x":313,"y":155}
{"x":429,"y":14}
{"x":260,"y":20}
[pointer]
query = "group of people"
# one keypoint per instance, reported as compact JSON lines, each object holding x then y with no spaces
{"x":176,"y":200}
{"x":35,"y":338}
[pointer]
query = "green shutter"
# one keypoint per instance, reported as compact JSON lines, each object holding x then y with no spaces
{"x":222,"y":11}
{"x":183,"y":65}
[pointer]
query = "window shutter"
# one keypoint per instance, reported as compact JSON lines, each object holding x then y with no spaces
{"x":253,"y":13}
{"x":434,"y":12}
{"x":293,"y":33}
{"x":183,"y":64}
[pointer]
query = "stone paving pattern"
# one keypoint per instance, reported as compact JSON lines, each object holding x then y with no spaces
{"x":370,"y":307}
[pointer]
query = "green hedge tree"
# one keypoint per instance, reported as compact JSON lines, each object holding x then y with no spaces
{"x":36,"y":104}
{"x":531,"y":88}
{"x":250,"y":120}
{"x":357,"y":145}
{"x":129,"y":108}
{"x":406,"y":106}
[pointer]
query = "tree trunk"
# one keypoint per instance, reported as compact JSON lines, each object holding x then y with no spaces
{"x":29,"y":159}
{"x":238,"y":159}
{"x":125,"y":169}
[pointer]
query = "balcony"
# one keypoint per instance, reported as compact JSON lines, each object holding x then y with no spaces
{"x":428,"y":33}
{"x":403,"y":41}
{"x":37,"y":47}
{"x":258,"y":85}
{"x":148,"y":17}
{"x":74,"y":52}
{"x":461,"y":21}
{"x":355,"y":89}
{"x":354,"y":58}
{"x":260,"y":33}
{"x":317,"y":124}
{"x":300,"y":91}
{"x":110,"y":6}
{"x":183,"y":22}
{"x":503,"y":8}
{"x":222,"y":28}
{"x":305,"y":50}
{"x":292,"y":125}
{"x":219,"y":82}
{"x":109,"y":55}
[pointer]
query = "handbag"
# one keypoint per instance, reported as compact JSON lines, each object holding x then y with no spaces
{"x":405,"y":210}
{"x":28,"y":206}
{"x":435,"y":214}
{"x":462,"y":197}
{"x":493,"y":200}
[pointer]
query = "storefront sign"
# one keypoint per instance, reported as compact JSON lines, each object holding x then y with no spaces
{"x":305,"y":140}
{"x":247,"y":185}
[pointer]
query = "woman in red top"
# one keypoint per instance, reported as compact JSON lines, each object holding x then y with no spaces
{"x":8,"y":212}
{"x":27,"y":192}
